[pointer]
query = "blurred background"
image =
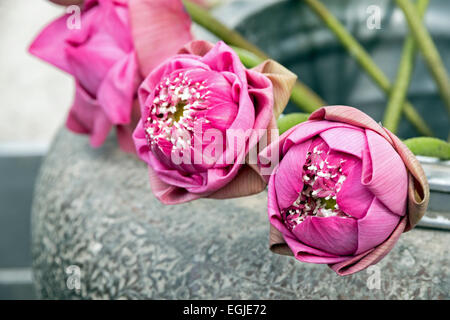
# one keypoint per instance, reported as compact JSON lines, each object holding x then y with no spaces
{"x":35,"y":98}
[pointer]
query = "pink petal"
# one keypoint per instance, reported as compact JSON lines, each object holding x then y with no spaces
{"x":224,"y":59}
{"x":217,"y":178}
{"x":176,"y":64}
{"x":90,"y":63}
{"x":388,"y":180}
{"x":166,"y":193}
{"x":418,"y":189}
{"x":354,"y":198}
{"x":172,"y":176}
{"x":301,"y":251}
{"x":86,"y":116}
{"x":118,"y":90}
{"x":307,"y":130}
{"x":224,"y":109}
{"x":281,"y":82}
{"x":196,"y":48}
{"x":222,"y":115}
{"x":187,"y":167}
{"x":261,"y":93}
{"x":269,"y":157}
{"x":115,"y":24}
{"x":247,"y":182}
{"x":273,"y":209}
{"x":160,"y":28}
{"x":348,"y":115}
{"x":376,"y":226}
{"x":288,"y":176}
{"x":309,"y":254}
{"x":90,"y":15}
{"x":366,"y":259}
{"x":335,"y":235}
{"x":348,"y":140}
{"x":50,"y":44}
{"x":140,"y":142}
{"x":222,"y":87}
{"x":245,"y":118}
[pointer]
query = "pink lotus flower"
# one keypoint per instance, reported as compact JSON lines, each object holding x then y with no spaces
{"x":206,"y":89}
{"x":102,"y":58}
{"x":344,"y":190}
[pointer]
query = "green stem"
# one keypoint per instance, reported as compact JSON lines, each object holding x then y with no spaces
{"x":288,"y":121}
{"x":202,"y":17}
{"x":247,"y":58}
{"x":365,"y":61}
{"x":399,"y":90}
{"x":428,"y":49}
{"x":302,"y":96}
{"x":416,"y":119}
{"x":298,"y":94}
{"x":430,"y":147}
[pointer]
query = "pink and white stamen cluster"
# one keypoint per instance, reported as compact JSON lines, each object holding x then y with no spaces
{"x":178,"y":102}
{"x":322,"y":180}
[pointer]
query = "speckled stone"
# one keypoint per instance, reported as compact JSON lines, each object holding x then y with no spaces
{"x":93,"y":209}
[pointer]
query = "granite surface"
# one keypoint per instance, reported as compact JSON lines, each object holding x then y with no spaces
{"x":95,"y":220}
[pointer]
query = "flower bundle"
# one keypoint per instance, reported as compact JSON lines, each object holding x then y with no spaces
{"x":341,"y":188}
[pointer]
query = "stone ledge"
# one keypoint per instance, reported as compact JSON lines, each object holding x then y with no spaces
{"x":94,"y":209}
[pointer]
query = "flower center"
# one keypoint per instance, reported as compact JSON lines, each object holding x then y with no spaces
{"x":178,"y":102}
{"x":322,"y":180}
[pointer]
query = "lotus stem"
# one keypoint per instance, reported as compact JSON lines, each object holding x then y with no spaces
{"x":292,"y":119}
{"x":247,"y":58}
{"x":428,"y":49}
{"x":302,"y":96}
{"x":430,"y":147}
{"x":399,"y":90}
{"x":299,"y":94}
{"x":205,"y":19}
{"x":365,"y":61}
